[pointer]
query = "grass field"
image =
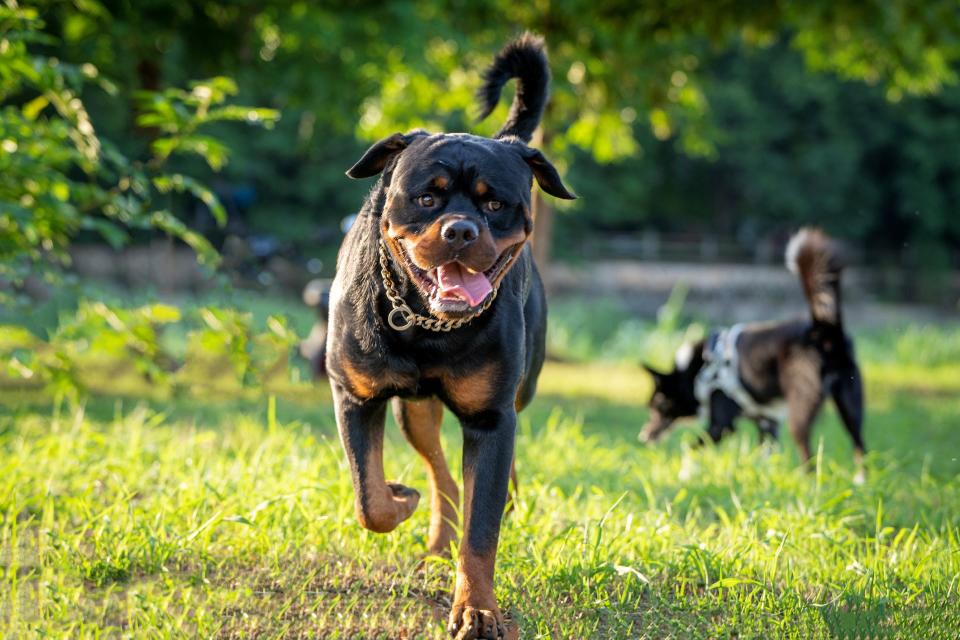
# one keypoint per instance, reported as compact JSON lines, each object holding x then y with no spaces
{"x":229,"y":518}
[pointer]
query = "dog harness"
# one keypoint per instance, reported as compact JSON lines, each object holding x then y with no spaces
{"x":721,"y":372}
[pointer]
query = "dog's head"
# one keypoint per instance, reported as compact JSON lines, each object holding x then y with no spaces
{"x":457,"y":211}
{"x":674,"y":395}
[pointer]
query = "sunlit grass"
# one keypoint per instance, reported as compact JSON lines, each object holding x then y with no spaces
{"x":234,"y":520}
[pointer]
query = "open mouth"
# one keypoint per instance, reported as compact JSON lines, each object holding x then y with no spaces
{"x":454,"y":287}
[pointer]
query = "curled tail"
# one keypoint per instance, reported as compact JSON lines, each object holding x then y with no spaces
{"x":526,"y":60}
{"x":816,"y":259}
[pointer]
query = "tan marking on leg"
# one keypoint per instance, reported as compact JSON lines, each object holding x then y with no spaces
{"x":420,"y":422}
{"x":475,"y":580}
{"x":475,"y":613}
{"x":518,"y":404}
{"x":381,"y":505}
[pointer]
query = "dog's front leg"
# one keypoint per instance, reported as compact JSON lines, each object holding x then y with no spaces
{"x":488,"y":440}
{"x":380,"y":505}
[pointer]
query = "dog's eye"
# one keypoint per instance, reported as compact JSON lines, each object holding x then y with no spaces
{"x":493,"y":205}
{"x":426,"y":200}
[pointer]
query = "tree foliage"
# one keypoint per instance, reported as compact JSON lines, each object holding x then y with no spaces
{"x":735,"y":112}
{"x":58,"y":176}
{"x":794,"y":148}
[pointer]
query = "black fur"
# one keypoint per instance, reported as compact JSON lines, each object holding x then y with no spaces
{"x":798,"y":361}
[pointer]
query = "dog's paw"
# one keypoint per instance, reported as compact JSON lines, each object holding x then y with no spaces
{"x":470,"y":623}
{"x":387,"y":509}
{"x":405,"y":500}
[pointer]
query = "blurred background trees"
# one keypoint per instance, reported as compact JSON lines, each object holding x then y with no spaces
{"x":60,"y":177}
{"x":731,"y":120}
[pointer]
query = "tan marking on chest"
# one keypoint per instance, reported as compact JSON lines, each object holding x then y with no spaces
{"x":365,"y":384}
{"x":472,"y":391}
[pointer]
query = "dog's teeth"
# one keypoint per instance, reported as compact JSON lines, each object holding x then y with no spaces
{"x":471,"y":271}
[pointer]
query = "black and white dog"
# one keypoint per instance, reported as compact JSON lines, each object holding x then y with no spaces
{"x":774,"y":370}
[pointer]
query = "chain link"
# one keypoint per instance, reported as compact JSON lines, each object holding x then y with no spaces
{"x":407,"y":316}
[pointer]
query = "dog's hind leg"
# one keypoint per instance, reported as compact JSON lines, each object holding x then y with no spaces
{"x":803,"y":406}
{"x":380,"y":505}
{"x":802,"y":385}
{"x":847,"y":393}
{"x":420,"y":422}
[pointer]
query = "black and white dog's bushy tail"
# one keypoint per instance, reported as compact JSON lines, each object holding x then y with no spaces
{"x":817,"y":260}
{"x":525,"y":59}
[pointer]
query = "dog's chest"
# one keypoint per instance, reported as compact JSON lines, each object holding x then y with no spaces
{"x":468,"y":389}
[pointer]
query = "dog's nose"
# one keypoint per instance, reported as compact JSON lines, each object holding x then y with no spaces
{"x":459,"y":233}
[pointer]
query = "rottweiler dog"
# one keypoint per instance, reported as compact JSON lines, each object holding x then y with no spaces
{"x":437,"y":301}
{"x":768,"y":371}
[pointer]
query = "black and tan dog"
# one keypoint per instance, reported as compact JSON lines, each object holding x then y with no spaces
{"x":771,"y":371}
{"x":437,"y":302}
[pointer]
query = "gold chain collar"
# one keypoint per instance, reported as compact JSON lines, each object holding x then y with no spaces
{"x":402,"y":317}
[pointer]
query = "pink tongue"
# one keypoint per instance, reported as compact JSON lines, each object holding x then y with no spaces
{"x":455,"y":280}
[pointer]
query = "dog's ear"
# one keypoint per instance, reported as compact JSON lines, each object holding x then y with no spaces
{"x":377,"y":156}
{"x":546,"y":174}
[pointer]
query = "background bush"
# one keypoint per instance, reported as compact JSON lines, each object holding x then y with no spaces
{"x":736,"y":120}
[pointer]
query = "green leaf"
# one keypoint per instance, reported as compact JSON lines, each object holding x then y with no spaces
{"x":166,"y":221}
{"x":115,"y":235}
{"x":181,"y":183}
{"x":162,"y":313}
{"x":726,"y":583}
{"x":14,"y":337}
{"x":214,"y":152}
{"x":33,"y":108}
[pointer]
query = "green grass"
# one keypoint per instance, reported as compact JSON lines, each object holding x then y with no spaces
{"x":202,"y":519}
{"x":206,"y":517}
